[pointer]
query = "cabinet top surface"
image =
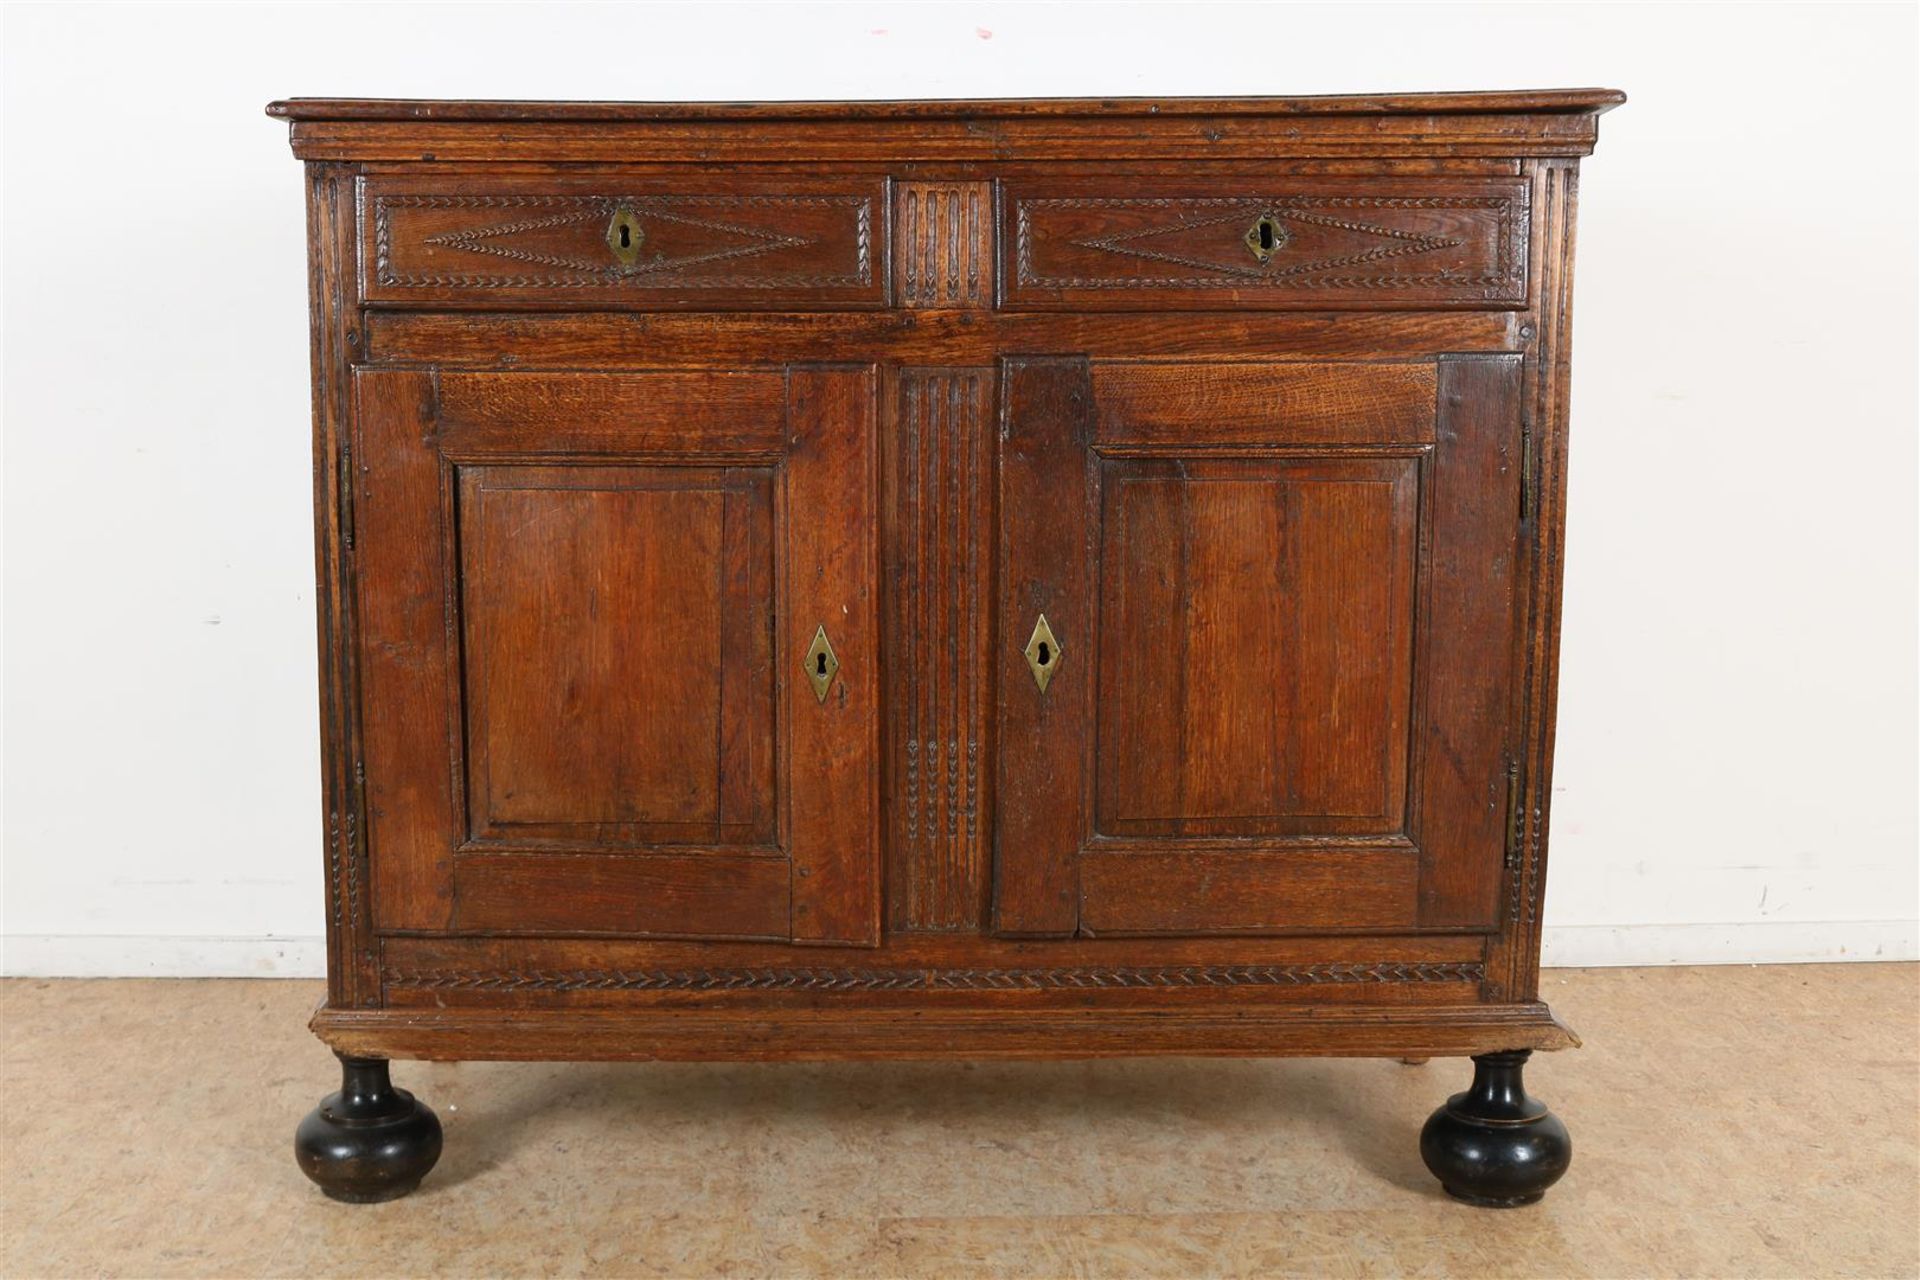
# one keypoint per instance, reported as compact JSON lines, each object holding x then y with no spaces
{"x":1515,"y":101}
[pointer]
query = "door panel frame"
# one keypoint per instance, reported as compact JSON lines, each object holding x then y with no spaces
{"x":816,"y":426}
{"x":1460,"y":418}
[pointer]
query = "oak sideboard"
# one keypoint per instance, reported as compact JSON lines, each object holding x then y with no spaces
{"x":997,"y":579}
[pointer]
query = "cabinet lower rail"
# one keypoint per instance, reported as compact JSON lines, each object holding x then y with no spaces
{"x":813,"y":1034}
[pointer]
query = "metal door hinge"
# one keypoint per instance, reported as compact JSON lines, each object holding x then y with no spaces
{"x":346,"y":495}
{"x":1526,"y":471}
{"x":1513,"y":815}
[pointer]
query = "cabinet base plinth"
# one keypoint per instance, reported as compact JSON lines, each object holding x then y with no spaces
{"x":810,"y":1033}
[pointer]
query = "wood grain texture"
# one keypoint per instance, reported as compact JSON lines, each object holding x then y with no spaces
{"x":1255,"y":679}
{"x":706,"y":414}
{"x":594,"y":596}
{"x":1043,"y":805}
{"x":1466,"y":678}
{"x":1515,"y":955}
{"x":1097,"y":243}
{"x":498,"y":971}
{"x":405,"y":660}
{"x":615,"y":627}
{"x":704,"y":894}
{"x":352,"y":956}
{"x":829,"y":511}
{"x":712,"y":239}
{"x":1275,"y":618}
{"x":1272,"y":511}
{"x":1339,"y":982}
{"x":612,"y":340}
{"x":854,"y":1034}
{"x":1471,"y":102}
{"x":1213,"y":892}
{"x":1226,"y":135}
{"x":1185,"y":403}
{"x":938,"y":535}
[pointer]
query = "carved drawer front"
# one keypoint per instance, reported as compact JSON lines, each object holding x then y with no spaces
{"x":1123,"y":244}
{"x":709,"y":241}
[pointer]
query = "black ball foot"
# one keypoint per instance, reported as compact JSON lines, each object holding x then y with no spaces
{"x":370,"y":1141}
{"x":1493,"y":1145}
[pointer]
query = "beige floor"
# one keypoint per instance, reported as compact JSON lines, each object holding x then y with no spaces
{"x":1727,"y":1122}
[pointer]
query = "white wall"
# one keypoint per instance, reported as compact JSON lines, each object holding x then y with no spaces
{"x":1737,"y":762}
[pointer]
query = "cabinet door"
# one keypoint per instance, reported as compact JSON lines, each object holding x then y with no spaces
{"x":617,"y":656}
{"x":1271,"y":690}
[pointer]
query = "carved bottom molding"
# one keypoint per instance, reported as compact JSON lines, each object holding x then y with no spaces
{"x":1066,"y":979}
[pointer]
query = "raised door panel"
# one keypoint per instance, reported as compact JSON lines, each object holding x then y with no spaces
{"x":587,"y":603}
{"x":1279,"y":603}
{"x":618,"y":633}
{"x":1256,"y":677}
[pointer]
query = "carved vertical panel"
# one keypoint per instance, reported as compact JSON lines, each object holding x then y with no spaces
{"x":938,"y":552}
{"x":943,"y":244}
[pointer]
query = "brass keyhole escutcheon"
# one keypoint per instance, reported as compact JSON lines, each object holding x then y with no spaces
{"x":820,"y":664}
{"x":1043,"y":653}
{"x":625,"y":236}
{"x":1266,"y":237}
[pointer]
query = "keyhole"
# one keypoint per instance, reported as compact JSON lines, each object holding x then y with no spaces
{"x":1046,"y":654}
{"x":1266,"y":234}
{"x":820,"y":663}
{"x":626,"y":236}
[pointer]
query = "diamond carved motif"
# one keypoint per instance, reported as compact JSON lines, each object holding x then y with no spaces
{"x":1453,"y":247}
{"x":657,"y":240}
{"x":1320,"y":243}
{"x":621,"y":241}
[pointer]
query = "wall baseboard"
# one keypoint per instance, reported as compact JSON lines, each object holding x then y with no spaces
{"x":1748,"y":942}
{"x":73,"y":955}
{"x":1564,"y":946}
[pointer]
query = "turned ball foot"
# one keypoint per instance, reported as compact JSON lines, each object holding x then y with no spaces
{"x":1493,"y":1145}
{"x":370,"y":1141}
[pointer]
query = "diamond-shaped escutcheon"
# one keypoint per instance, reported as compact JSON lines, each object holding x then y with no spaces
{"x":1043,"y":653}
{"x":821,"y":664}
{"x":625,"y":235}
{"x":1266,"y":237}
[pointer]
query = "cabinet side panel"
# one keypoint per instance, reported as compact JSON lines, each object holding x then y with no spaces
{"x":830,"y":772}
{"x":405,"y":678}
{"x":1515,"y":959}
{"x":352,"y":977}
{"x":1465,"y":700}
{"x":1049,"y":497}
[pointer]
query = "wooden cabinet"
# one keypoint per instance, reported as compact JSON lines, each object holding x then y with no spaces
{"x":974,"y":579}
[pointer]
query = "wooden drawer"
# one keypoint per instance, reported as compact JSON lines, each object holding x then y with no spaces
{"x":1139,"y":244}
{"x":706,"y":241}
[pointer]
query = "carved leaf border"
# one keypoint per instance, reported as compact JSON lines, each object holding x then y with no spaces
{"x":933,"y":979}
